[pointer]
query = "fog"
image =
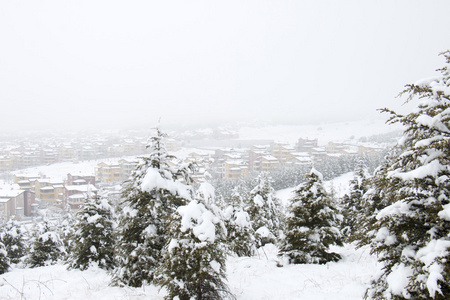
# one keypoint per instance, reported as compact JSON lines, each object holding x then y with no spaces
{"x":114,"y":64}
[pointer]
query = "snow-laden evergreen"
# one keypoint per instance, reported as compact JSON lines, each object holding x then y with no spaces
{"x":352,"y":203}
{"x":312,"y":224}
{"x":193,"y":264}
{"x":264,"y":210}
{"x":65,"y":228}
{"x":45,"y":246}
{"x":240,"y":233}
{"x":412,"y":237}
{"x":92,"y":240}
{"x":13,"y":239}
{"x":4,"y":260}
{"x":372,"y":202}
{"x":157,"y":187}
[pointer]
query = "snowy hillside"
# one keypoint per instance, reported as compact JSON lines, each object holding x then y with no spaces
{"x":249,"y":278}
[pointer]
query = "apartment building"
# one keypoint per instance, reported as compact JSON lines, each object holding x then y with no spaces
{"x":115,"y":172}
{"x":6,"y":163}
{"x":75,"y":195}
{"x":15,"y":203}
{"x":108,"y":173}
{"x":235,"y":168}
{"x":48,"y":191}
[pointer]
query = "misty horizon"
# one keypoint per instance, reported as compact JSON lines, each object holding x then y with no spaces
{"x":108,"y":65}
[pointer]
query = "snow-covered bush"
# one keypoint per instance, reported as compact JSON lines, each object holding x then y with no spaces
{"x":12,"y":238}
{"x":65,"y":228}
{"x":311,"y":225}
{"x":46,"y":247}
{"x":412,"y":234}
{"x":92,"y":240}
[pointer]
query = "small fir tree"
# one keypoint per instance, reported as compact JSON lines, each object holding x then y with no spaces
{"x":92,"y":240}
{"x":240,"y":234}
{"x":12,"y":238}
{"x":65,"y":230}
{"x":155,"y":190}
{"x":412,"y":234}
{"x":4,"y":260}
{"x":194,"y":259}
{"x":352,"y":203}
{"x":264,"y":210}
{"x":45,"y":246}
{"x":311,"y":225}
{"x":373,"y":201}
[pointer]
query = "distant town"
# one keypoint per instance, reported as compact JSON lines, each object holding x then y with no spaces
{"x":214,"y":154}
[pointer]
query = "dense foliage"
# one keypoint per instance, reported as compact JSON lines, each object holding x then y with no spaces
{"x":412,"y":233}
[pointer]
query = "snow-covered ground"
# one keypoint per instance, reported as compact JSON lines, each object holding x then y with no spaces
{"x":249,"y":278}
{"x":261,"y":278}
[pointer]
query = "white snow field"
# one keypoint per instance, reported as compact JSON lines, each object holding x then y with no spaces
{"x":255,"y":278}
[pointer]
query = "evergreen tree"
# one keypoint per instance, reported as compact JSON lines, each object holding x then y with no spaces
{"x":65,"y":230}
{"x":264,"y":210}
{"x":4,"y":260}
{"x":194,"y":259}
{"x":240,"y":234}
{"x":92,"y":240}
{"x":311,"y":225}
{"x":45,"y":246}
{"x":412,"y":237}
{"x":153,"y":193}
{"x":373,"y":201}
{"x":352,"y":203}
{"x":12,"y":238}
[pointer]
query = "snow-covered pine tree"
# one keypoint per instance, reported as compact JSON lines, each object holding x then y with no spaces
{"x":45,"y":246}
{"x":240,"y":234}
{"x":194,"y":259}
{"x":65,"y":230}
{"x":12,"y":238}
{"x":92,"y":240}
{"x":372,"y":202}
{"x":311,"y":225}
{"x":4,"y":260}
{"x":352,"y":204}
{"x":153,"y":193}
{"x":413,"y":233}
{"x":263,"y":208}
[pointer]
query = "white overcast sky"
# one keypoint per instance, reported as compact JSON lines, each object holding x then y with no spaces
{"x":122,"y":63}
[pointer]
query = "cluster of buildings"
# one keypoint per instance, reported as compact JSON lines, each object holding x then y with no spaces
{"x":236,"y":163}
{"x":31,"y":193}
{"x":25,"y":153}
